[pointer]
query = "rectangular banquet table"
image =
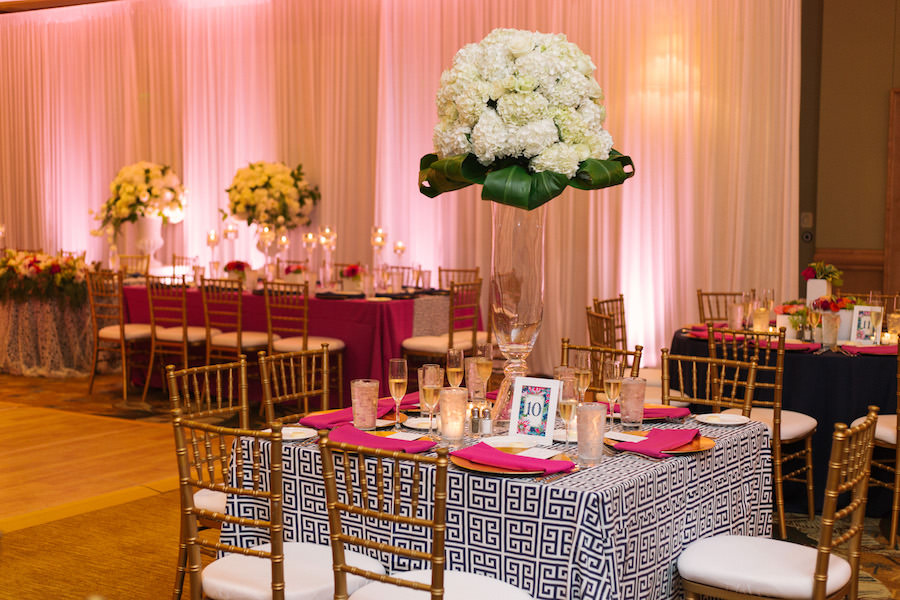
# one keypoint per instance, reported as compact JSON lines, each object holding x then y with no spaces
{"x":372,"y":330}
{"x":45,"y":338}
{"x":613,"y":531}
{"x":831,"y":387}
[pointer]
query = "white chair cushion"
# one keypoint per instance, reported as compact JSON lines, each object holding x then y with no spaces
{"x":210,"y":500}
{"x":133,"y":331}
{"x":757,"y":565}
{"x":437,"y":344}
{"x":249,"y":339}
{"x":794,"y":425}
{"x":194,"y":333}
{"x":307,"y":574}
{"x":885,"y":428}
{"x":313,"y":342}
{"x":457,"y":586}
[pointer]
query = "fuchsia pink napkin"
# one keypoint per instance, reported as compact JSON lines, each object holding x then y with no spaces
{"x":491,"y":395}
{"x":351,"y":435}
{"x":703,"y":334}
{"x":885,"y":349}
{"x":409,"y":401}
{"x":659,"y":412}
{"x":345,"y":415}
{"x":702,"y":326}
{"x":483,"y":454}
{"x":659,"y":440}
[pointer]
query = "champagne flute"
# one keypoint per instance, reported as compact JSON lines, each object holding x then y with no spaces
{"x":454,"y":367}
{"x":484,"y":362}
{"x":431,"y":379}
{"x":567,"y":401}
{"x":397,"y":376}
{"x":612,"y":382}
{"x":581,"y":361}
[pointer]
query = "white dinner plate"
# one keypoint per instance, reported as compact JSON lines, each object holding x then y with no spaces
{"x":506,"y":441}
{"x":420,"y":423}
{"x":722,"y":419}
{"x":290,"y":433}
{"x":559,"y":435}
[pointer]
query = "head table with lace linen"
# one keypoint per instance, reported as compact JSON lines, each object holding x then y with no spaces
{"x":610,"y":531}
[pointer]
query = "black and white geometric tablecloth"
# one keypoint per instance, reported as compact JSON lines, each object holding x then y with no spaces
{"x":613,"y":531}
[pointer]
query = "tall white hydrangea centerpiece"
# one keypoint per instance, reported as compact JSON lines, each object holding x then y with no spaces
{"x":521,"y":115}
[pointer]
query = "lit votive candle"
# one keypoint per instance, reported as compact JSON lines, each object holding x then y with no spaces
{"x":453,"y":403}
{"x":399,"y":248}
{"x":886,"y":338}
{"x":212,"y":238}
{"x":231,"y":231}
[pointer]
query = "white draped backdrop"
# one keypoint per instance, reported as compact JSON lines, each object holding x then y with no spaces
{"x":702,"y":94}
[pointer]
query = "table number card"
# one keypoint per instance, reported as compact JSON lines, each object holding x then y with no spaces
{"x":865,"y":329}
{"x":533,"y":412}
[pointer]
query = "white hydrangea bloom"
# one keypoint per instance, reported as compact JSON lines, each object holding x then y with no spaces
{"x":522,"y":94}
{"x":560,"y":158}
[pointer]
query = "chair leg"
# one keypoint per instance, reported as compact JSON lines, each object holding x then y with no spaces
{"x":895,"y":510}
{"x":778,"y":470}
{"x":810,"y":502}
{"x":340,"y":370}
{"x":124,"y":375}
{"x":181,"y":567}
{"x":149,"y":373}
{"x":94,"y":366}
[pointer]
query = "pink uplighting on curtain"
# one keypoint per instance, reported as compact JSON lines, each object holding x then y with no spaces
{"x":703,"y":95}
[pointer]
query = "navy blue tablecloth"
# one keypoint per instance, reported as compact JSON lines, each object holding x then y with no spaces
{"x":832,"y":388}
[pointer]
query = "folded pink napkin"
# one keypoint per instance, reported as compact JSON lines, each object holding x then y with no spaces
{"x":345,"y":415}
{"x":793,"y":345}
{"x":704,"y":335}
{"x":483,"y":454}
{"x":658,"y":412}
{"x":659,"y":440}
{"x":702,"y":326}
{"x":491,"y":395}
{"x":881,"y":349}
{"x":351,"y":435}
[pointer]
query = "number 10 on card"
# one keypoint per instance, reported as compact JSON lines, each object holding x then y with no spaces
{"x":533,"y":411}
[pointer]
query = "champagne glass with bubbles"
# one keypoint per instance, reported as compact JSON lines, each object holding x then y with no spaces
{"x":454,"y":367}
{"x":397,"y":376}
{"x":581,"y":362}
{"x":567,"y":398}
{"x":612,"y":381}
{"x":431,"y":379}
{"x":484,"y":362}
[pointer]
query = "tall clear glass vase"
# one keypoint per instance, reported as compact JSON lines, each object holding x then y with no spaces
{"x":517,"y":291}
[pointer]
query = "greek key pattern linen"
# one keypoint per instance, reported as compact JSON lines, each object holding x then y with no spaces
{"x":612,"y":531}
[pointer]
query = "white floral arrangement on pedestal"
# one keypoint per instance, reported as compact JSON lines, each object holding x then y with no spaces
{"x":521,"y":114}
{"x":272,"y":194}
{"x":140,"y":190}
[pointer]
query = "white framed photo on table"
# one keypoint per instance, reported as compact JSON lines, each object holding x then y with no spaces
{"x":865,"y":328}
{"x":532,"y":415}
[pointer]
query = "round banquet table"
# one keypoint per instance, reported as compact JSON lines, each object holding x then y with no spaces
{"x":831,"y":387}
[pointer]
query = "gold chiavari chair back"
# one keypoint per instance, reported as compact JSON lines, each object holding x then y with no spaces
{"x":30,"y":250}
{"x":714,"y":306}
{"x":786,"y":427}
{"x":464,"y":314}
{"x":203,"y":453}
{"x":600,"y":355}
{"x":223,"y":301}
{"x":601,"y":329}
{"x":737,"y":566}
{"x":448,"y":276}
{"x":110,"y":331}
{"x":394,"y":472}
{"x":170,"y":333}
{"x":134,"y":264}
{"x":615,"y":307}
{"x":182,"y":265}
{"x":409,"y":274}
{"x":715,"y":382}
{"x":300,"y":378}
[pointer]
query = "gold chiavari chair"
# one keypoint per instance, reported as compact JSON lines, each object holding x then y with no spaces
{"x":409,"y":274}
{"x":786,"y":427}
{"x":714,"y":306}
{"x":182,"y":265}
{"x":287,"y":324}
{"x":170,"y":332}
{"x":213,"y":393}
{"x":887,"y":436}
{"x":385,"y":503}
{"x":601,"y":354}
{"x":615,"y":307}
{"x":462,"y":331}
{"x":601,"y":329}
{"x":715,"y":382}
{"x":110,"y":331}
{"x":134,"y":264}
{"x":276,"y":569}
{"x":448,"y":276}
{"x":741,"y":566}
{"x":223,"y":301}
{"x":297,"y":377}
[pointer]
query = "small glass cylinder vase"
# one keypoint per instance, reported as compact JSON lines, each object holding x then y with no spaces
{"x":517,"y":291}
{"x":831,"y":322}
